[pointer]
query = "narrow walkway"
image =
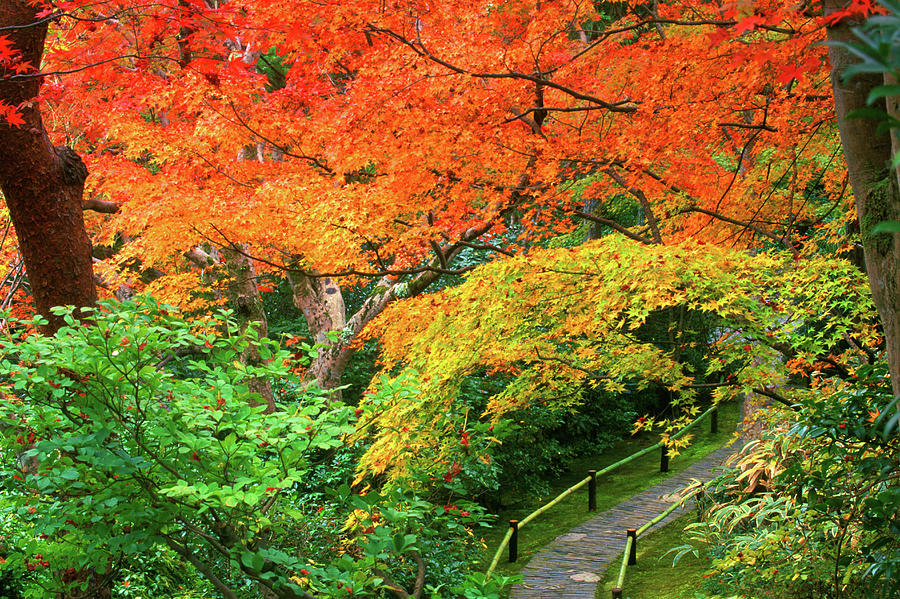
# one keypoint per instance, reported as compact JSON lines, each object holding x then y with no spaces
{"x":571,"y":566}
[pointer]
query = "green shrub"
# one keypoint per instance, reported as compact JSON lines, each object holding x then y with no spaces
{"x":814,"y":510}
{"x":135,"y":454}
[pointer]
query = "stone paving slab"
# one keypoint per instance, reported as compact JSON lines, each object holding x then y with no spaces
{"x":571,"y":566}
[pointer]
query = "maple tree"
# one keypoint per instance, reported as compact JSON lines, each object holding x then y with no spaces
{"x":567,"y":321}
{"x":363,"y":140}
{"x":42,"y":183}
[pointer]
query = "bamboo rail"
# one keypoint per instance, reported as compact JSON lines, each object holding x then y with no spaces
{"x":593,"y":475}
{"x":630,"y":556}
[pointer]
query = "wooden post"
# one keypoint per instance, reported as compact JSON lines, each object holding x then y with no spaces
{"x":632,"y":555}
{"x":714,"y":421}
{"x":592,"y":491}
{"x":664,"y":460}
{"x":514,"y":541}
{"x":617,"y":594}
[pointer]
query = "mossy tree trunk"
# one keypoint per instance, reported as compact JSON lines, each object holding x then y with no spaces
{"x":875,"y":187}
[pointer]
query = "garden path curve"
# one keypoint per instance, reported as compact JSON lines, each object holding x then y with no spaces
{"x":571,"y":566}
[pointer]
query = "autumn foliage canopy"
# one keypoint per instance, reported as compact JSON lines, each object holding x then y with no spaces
{"x":358,"y":138}
{"x":376,"y":143}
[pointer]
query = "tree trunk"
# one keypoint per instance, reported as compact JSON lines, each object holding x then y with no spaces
{"x":322,"y":303}
{"x":243,"y":295}
{"x":42,"y":184}
{"x":874,"y":187}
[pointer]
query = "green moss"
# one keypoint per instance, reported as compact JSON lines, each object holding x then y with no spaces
{"x":880,"y":207}
{"x":654,"y":576}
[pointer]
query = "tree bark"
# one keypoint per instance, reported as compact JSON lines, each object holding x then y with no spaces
{"x":322,"y":303}
{"x":875,"y":188}
{"x":42,"y":184}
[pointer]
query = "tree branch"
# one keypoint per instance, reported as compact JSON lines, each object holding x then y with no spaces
{"x":486,"y":246}
{"x":203,"y":568}
{"x":642,"y":198}
{"x":399,"y":272}
{"x":780,"y":399}
{"x":740,"y":223}
{"x":613,"y":225}
{"x":419,"y":48}
{"x":101,"y":206}
{"x":200,"y":258}
{"x":392,"y":586}
{"x":762,"y":127}
{"x":420,"y":577}
{"x":523,"y":113}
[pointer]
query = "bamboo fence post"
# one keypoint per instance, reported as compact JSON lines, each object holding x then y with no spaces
{"x":514,"y":541}
{"x":632,"y":553}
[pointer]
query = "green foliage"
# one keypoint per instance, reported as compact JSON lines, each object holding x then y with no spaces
{"x":272,"y":65}
{"x":133,"y":443}
{"x":138,"y":431}
{"x":515,"y":457}
{"x":541,"y":441}
{"x":404,"y":536}
{"x":159,"y":573}
{"x":813,"y":512}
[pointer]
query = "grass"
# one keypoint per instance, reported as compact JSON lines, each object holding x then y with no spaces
{"x":611,"y":488}
{"x":654,"y":576}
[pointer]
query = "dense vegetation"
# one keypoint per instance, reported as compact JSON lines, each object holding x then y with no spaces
{"x":374,"y":272}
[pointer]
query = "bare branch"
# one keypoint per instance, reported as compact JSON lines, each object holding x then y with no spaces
{"x":613,"y":225}
{"x":524,"y":113}
{"x":762,"y":127}
{"x":420,"y":577}
{"x":310,"y":159}
{"x":439,"y":253}
{"x":740,"y":223}
{"x":486,"y":246}
{"x":101,"y":206}
{"x":779,"y":398}
{"x":626,"y":106}
{"x":200,"y":258}
{"x":343,"y":273}
{"x":392,"y":586}
{"x":642,"y":198}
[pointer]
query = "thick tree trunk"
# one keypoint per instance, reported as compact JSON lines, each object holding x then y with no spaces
{"x":42,"y":184}
{"x":874,"y":187}
{"x":322,"y":303}
{"x":243,"y":295}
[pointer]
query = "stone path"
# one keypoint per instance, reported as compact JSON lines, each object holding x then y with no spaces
{"x":571,"y":566}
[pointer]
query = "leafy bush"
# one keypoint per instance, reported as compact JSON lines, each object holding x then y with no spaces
{"x":132,"y":442}
{"x":515,"y":456}
{"x":814,"y":511}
